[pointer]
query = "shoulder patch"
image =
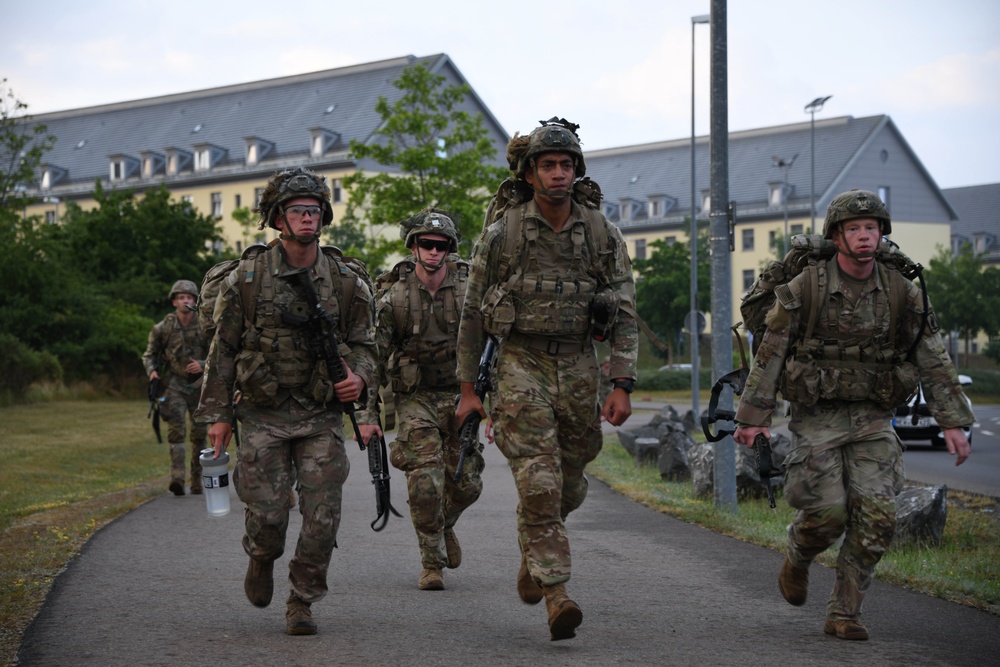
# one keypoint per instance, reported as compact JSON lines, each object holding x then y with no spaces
{"x":786,"y":297}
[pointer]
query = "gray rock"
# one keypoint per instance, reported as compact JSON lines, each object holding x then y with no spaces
{"x":921,"y":513}
{"x":647,"y":450}
{"x":673,"y":460}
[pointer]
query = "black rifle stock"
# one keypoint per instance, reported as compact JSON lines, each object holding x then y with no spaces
{"x":321,"y":337}
{"x":765,"y":466}
{"x":468,"y":436}
{"x":154,"y":407}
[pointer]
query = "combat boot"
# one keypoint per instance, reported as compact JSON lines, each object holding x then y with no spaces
{"x":259,"y":582}
{"x":196,"y":488}
{"x":431,"y":580}
{"x":527,"y":588}
{"x":298,"y":617}
{"x":564,"y":614}
{"x":793,"y":582}
{"x":177,"y":488}
{"x":845,"y":628}
{"x":453,"y":548}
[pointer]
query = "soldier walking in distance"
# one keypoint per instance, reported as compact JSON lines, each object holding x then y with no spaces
{"x":549,"y":277}
{"x":290,"y":409}
{"x":178,"y":346}
{"x":872,"y":341}
{"x":417,"y":318}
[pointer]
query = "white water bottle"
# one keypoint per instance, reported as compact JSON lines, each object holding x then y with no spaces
{"x":215,"y":478}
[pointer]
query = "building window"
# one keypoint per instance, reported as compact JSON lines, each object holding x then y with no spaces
{"x":216,"y":204}
{"x":883,"y":194}
{"x":257,"y":192}
{"x":187,"y":199}
{"x":239,"y":247}
{"x":640,"y":248}
{"x":50,"y":217}
{"x":748,"y":277}
{"x":796,"y":229}
{"x":239,"y":201}
{"x":654,"y":209}
{"x":670,"y":240}
{"x":747,"y":240}
{"x":771,"y":236}
{"x":202,"y":159}
{"x":338,"y":192}
{"x":117,"y":170}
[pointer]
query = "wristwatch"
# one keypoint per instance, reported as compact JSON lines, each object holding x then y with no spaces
{"x":628,"y":385}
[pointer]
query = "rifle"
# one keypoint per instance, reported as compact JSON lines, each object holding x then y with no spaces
{"x":321,"y":337}
{"x":154,"y":407}
{"x":766,"y":469}
{"x":468,"y":435}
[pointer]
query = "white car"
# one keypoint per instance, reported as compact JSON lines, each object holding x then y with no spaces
{"x":913,"y":421}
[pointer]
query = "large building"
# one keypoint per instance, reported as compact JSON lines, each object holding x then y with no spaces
{"x":216,"y":148}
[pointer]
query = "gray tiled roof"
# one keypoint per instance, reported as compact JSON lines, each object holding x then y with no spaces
{"x":978,"y":209}
{"x":280,"y":111}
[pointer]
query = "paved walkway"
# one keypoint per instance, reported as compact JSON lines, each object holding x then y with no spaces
{"x":163,"y":585}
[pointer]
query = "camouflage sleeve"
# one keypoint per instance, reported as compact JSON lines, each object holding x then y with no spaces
{"x":482,"y":274}
{"x":625,"y":334}
{"x":220,"y":368}
{"x":152,"y":349}
{"x":362,"y":358}
{"x":384,"y":332}
{"x":937,"y":372}
{"x":759,"y":397}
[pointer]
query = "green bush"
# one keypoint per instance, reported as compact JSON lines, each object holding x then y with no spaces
{"x":20,"y":366}
{"x":673,"y":380}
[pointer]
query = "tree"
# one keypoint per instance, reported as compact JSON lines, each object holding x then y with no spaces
{"x":21,"y":150}
{"x":663,"y":288}
{"x":443,"y":156}
{"x":973,"y":297}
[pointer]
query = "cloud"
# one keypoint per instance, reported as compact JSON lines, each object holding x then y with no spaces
{"x":953,"y":81}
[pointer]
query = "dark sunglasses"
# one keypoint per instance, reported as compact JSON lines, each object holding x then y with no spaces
{"x":430,"y":244}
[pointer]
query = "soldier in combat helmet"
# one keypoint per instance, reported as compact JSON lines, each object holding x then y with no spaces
{"x":549,"y":277}
{"x":290,"y":409}
{"x":843,"y":382}
{"x":178,"y":346}
{"x":417,"y":318}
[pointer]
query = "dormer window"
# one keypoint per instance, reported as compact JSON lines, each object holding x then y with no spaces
{"x":51,"y":175}
{"x":257,"y":149}
{"x":777,"y":193}
{"x":206,"y":156}
{"x":628,"y":209}
{"x":153,"y":163}
{"x":706,"y":200}
{"x":122,"y":167}
{"x":178,"y":160}
{"x":660,"y":205}
{"x":321,"y":140}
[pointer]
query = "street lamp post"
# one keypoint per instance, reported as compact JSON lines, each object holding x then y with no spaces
{"x":693,"y":319}
{"x":811,"y":109}
{"x":784,"y":165}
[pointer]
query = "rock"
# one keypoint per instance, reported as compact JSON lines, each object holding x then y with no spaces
{"x":701,"y":458}
{"x":921,"y":513}
{"x":673,"y":460}
{"x":647,"y":450}
{"x":627,"y":438}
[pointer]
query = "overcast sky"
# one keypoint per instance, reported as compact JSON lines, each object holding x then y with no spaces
{"x":621,"y":69}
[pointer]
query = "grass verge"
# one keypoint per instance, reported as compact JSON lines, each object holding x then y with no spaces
{"x":964,"y":569}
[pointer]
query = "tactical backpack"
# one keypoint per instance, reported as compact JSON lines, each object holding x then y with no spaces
{"x":350,"y":269}
{"x":809,"y":254}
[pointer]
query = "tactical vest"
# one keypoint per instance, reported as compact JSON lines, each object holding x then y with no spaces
{"x":180,"y":345}
{"x":425,"y":354}
{"x":828,"y":365}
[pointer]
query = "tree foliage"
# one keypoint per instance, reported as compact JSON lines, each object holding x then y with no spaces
{"x":663,"y":288}
{"x":965,"y":298}
{"x":439,"y":155}
{"x":21,"y":149}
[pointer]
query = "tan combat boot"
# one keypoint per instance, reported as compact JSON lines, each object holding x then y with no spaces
{"x":453,"y":548}
{"x":431,"y":580}
{"x":298,"y":618}
{"x":845,"y":628}
{"x":564,"y":614}
{"x":527,"y":588}
{"x":259,"y":582}
{"x":793,"y":582}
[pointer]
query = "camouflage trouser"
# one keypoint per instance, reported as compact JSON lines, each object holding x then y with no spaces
{"x":427,"y":450}
{"x":176,"y":406}
{"x":842,"y":477}
{"x":281,"y":448}
{"x":548,"y":426}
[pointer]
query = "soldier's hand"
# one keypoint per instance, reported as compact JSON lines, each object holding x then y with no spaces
{"x":349,"y":390}
{"x":745,"y":435}
{"x":219,"y":434}
{"x":369,"y":430}
{"x":617,"y":408}
{"x":193,"y":367}
{"x":154,"y":376}
{"x":957,"y":443}
{"x":467,"y":404}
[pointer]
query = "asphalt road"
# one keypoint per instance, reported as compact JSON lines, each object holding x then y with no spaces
{"x":162,"y":585}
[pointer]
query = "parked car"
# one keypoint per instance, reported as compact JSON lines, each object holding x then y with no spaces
{"x":914,"y":421}
{"x":675,"y":367}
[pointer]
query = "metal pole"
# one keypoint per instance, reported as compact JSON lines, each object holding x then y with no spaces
{"x":724,"y":451}
{"x":811,"y":109}
{"x":694,"y":333}
{"x":784,"y":201}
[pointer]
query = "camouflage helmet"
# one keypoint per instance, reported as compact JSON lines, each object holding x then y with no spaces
{"x":856,"y":204}
{"x":430,"y":221}
{"x":291,"y":184}
{"x":556,"y":135}
{"x":183,"y":287}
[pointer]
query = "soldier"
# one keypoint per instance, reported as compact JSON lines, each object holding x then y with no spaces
{"x":178,"y":346}
{"x":843,"y":382}
{"x":290,"y":410}
{"x":417,"y":319}
{"x":549,"y":277}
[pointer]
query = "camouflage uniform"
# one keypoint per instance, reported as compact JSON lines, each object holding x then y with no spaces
{"x":421,"y":366}
{"x":846,"y":468}
{"x":545,"y":411}
{"x":177,"y":345}
{"x":292,"y":426}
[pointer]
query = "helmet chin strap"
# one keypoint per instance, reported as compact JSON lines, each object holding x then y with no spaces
{"x":301,"y":240}
{"x":552,"y":194}
{"x":428,"y":267}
